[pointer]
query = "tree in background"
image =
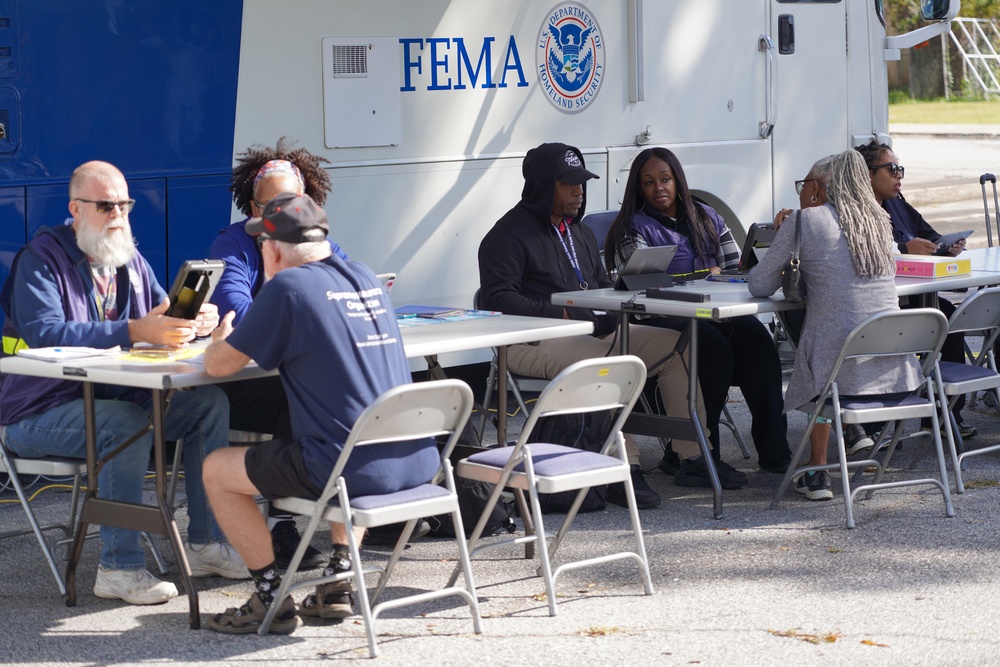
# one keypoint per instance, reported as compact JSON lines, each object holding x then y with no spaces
{"x":903,"y":16}
{"x":923,"y":77}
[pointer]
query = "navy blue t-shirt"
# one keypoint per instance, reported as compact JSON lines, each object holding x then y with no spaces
{"x":330,"y":330}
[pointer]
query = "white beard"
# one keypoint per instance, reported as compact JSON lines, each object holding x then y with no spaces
{"x":108,"y":249}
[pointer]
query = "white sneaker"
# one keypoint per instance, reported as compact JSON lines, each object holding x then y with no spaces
{"x":218,"y":559}
{"x":133,"y":586}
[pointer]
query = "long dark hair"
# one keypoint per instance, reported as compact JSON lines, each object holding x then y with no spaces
{"x":703,"y":233}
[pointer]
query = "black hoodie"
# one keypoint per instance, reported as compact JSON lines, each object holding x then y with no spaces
{"x":521,"y":260}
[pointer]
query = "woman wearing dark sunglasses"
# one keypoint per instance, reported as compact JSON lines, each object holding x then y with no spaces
{"x":913,"y":236}
{"x":909,"y":229}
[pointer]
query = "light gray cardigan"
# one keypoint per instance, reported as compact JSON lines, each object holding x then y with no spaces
{"x":837,"y":300}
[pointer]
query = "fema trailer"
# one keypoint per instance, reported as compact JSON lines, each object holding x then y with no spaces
{"x":425,"y":108}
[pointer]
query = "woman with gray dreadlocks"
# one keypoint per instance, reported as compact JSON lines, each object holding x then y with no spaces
{"x":846,"y":255}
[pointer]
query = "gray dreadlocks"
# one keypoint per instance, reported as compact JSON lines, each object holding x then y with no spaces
{"x":866,"y":225}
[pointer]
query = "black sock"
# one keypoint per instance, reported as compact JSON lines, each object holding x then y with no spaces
{"x":340,"y":560}
{"x":266,"y":581}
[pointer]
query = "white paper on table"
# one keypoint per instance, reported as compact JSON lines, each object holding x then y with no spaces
{"x":69,"y":353}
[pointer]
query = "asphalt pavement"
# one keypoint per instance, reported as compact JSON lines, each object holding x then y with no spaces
{"x":943,"y":166}
{"x":908,"y":586}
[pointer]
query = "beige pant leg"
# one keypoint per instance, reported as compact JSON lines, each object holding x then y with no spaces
{"x":652,"y":344}
{"x":548,"y":358}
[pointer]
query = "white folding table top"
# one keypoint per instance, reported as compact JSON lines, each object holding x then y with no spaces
{"x":728,"y":300}
{"x":418,"y":341}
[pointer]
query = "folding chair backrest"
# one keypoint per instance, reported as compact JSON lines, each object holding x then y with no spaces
{"x":599,"y":223}
{"x":605,"y":383}
{"x":980,"y":312}
{"x":916,"y":331}
{"x":898,"y":332}
{"x":410,"y":412}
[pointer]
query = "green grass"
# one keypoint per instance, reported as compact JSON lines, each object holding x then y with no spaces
{"x":938,"y":112}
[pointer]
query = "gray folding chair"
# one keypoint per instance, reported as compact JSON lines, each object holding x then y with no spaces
{"x":409,"y":412}
{"x":895,"y":333}
{"x":978,"y":313}
{"x":53,"y":467}
{"x":608,"y":383}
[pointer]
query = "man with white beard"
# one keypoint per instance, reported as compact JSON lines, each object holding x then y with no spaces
{"x":84,"y":283}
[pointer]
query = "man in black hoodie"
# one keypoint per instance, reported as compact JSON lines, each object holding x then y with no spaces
{"x":538,"y":248}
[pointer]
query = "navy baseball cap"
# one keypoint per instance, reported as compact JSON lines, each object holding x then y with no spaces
{"x":570,"y":169}
{"x":291,"y":218}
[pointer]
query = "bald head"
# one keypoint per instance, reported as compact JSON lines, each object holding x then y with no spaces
{"x":94,"y":170}
{"x":99,"y":204}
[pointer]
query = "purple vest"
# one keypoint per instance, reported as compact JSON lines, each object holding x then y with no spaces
{"x":20,"y":395}
{"x":686,"y":260}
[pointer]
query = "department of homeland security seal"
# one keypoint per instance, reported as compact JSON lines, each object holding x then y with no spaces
{"x":569,"y":57}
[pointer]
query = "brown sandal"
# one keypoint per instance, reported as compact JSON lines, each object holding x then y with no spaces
{"x":336,"y":601}
{"x":247,"y":619}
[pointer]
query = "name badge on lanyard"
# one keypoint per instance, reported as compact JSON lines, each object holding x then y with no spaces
{"x":570,"y":251}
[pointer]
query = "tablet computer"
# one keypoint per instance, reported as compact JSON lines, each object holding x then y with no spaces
{"x":193,"y":286}
{"x":646,"y":267}
{"x":948,"y":240}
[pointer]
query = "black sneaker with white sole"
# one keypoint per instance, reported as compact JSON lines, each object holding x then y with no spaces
{"x":856,"y":440}
{"x":815,"y":485}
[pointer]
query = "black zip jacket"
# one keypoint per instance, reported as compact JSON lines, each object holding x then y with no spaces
{"x":521,"y":261}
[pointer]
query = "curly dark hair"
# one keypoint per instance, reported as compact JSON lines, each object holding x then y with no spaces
{"x":249,"y":162}
{"x":872,"y":151}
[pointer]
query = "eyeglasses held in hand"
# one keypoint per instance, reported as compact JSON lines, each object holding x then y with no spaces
{"x":894,"y":169}
{"x":105,"y":206}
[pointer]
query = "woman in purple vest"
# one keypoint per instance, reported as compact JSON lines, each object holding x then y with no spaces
{"x":658,"y":210}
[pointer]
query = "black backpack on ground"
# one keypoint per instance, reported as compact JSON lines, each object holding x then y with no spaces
{"x":472,"y":497}
{"x":587,"y":431}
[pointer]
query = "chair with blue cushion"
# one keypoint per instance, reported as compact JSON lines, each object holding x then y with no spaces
{"x":895,"y":333}
{"x":600,"y":222}
{"x":591,"y":385}
{"x":979,"y":313}
{"x":409,"y":412}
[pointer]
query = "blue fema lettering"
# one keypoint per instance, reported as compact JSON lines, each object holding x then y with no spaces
{"x":440,"y":66}
{"x":514,"y":66}
{"x":484,"y":58}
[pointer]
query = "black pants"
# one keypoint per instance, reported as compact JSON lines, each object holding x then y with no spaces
{"x":259,"y":406}
{"x":739,"y":352}
{"x":952,"y":350}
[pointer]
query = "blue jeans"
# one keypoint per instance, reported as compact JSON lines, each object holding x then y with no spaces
{"x":199,"y":416}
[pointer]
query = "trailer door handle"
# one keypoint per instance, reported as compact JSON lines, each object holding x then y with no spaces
{"x":766,"y":46}
{"x":786,"y":34}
